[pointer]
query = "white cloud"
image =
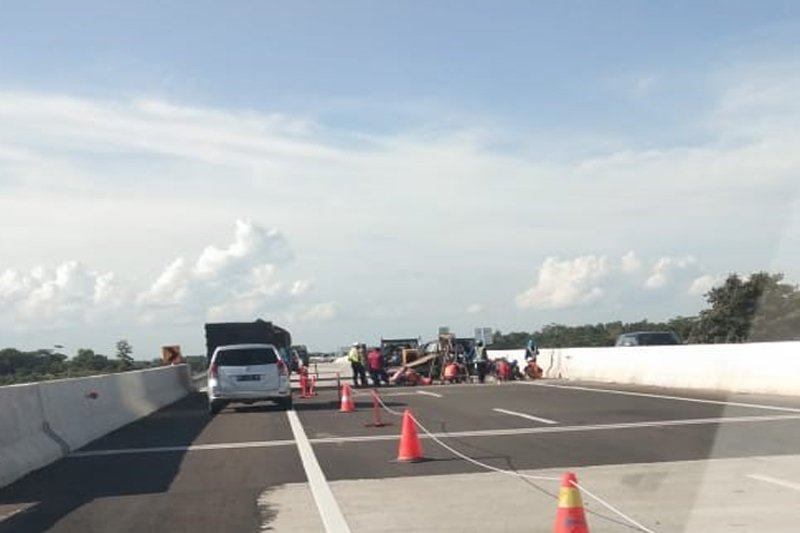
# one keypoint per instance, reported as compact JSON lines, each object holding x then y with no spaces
{"x":250,"y":241}
{"x":233,"y":283}
{"x":300,"y":287}
{"x":69,"y":294}
{"x":474,"y":308}
{"x":319,"y":312}
{"x":11,"y":283}
{"x":585,"y":279}
{"x":660,"y":275}
{"x":703,"y":284}
{"x":565,"y":283}
{"x":170,"y":288}
{"x":630,"y":263}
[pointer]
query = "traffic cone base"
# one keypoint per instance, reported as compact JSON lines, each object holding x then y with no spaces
{"x":570,"y":516}
{"x":347,"y":400}
{"x":410,"y":449}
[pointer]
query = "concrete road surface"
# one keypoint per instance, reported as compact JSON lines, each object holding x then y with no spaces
{"x":666,"y":460}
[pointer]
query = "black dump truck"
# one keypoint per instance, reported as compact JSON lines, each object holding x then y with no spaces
{"x":301,"y":356}
{"x":258,"y":332}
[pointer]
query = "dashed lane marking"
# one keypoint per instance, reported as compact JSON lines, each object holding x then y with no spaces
{"x":328,"y":507}
{"x":429,"y":393}
{"x":525,"y":415}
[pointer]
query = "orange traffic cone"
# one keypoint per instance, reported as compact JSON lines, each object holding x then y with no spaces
{"x":570,"y":517}
{"x":347,"y":399}
{"x":410,"y":447}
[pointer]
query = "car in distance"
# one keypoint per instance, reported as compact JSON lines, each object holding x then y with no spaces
{"x":247,"y":373}
{"x":648,"y":338}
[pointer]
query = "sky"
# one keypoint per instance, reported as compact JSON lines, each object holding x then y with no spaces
{"x":353,"y":170}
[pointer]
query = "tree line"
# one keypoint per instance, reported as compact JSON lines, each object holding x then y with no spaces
{"x":761,"y":307}
{"x":18,"y":366}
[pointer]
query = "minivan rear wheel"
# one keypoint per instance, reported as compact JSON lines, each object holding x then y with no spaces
{"x":285,"y":403}
{"x":215,"y":406}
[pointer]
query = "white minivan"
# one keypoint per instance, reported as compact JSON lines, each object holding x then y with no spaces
{"x":247,"y":373}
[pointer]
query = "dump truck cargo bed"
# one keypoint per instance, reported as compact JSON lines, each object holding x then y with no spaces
{"x":258,"y":332}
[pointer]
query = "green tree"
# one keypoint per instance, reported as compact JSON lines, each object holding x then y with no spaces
{"x":88,"y":360}
{"x":777,"y":316}
{"x":125,"y":353}
{"x":682,"y":326}
{"x":509,"y":341}
{"x":762,"y":307}
{"x":19,"y":367}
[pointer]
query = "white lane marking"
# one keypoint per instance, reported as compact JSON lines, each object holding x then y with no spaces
{"x":776,"y":481}
{"x":454,"y":434}
{"x":329,"y":511}
{"x":568,"y":429}
{"x":429,"y":393}
{"x":667,"y":397}
{"x":523,"y":415}
{"x":191,"y":448}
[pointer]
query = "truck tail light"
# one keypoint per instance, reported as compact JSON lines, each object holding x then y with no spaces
{"x":213,"y":371}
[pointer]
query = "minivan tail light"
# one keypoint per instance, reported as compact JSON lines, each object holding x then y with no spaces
{"x":282,"y":368}
{"x":212,"y":372}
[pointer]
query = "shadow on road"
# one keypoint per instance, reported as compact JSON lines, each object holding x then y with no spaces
{"x":59,"y":489}
{"x":333,"y":405}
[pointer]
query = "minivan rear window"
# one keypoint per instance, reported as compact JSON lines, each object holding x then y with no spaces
{"x":247,"y":357}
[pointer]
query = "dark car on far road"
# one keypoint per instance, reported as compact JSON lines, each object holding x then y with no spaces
{"x":648,"y":338}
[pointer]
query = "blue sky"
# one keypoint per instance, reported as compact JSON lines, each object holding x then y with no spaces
{"x":557,"y":65}
{"x":517,"y":151}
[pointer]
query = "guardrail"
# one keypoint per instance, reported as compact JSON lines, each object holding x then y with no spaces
{"x":41,"y":422}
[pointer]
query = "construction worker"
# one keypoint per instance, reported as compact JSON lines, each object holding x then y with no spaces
{"x":376,"y":368}
{"x":356,"y":359}
{"x":531,"y":350}
{"x":532,"y":368}
{"x":481,"y":361}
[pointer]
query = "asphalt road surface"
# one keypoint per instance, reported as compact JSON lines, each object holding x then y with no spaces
{"x":682,"y":461}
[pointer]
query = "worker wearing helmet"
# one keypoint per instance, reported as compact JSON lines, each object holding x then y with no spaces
{"x":356,"y":359}
{"x":481,"y":361}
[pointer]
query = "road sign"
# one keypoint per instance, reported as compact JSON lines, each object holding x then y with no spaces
{"x":171,"y":355}
{"x":484,"y":334}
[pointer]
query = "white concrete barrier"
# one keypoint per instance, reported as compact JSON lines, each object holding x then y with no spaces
{"x":768,"y":368}
{"x":41,"y":422}
{"x":85,"y":409}
{"x":24,"y":444}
